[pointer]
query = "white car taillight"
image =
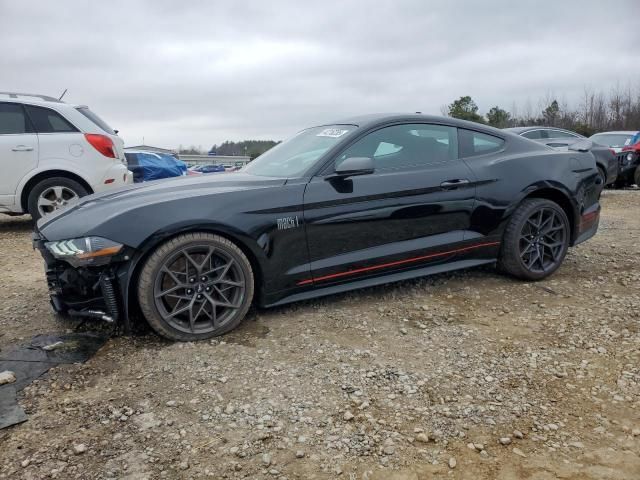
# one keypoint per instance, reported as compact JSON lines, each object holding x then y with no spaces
{"x":102,"y":144}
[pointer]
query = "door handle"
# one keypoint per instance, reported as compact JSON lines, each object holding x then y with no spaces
{"x":453,"y":184}
{"x":22,"y":148}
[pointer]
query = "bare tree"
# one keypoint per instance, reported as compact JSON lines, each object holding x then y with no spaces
{"x":616,"y":108}
{"x":597,"y":111}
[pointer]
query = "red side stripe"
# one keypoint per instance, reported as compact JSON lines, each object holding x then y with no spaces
{"x":393,"y":264}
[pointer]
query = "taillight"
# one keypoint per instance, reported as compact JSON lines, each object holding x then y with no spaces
{"x":632,"y":148}
{"x":102,"y":144}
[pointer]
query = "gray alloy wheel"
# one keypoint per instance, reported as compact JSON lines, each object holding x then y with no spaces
{"x":55,"y":197}
{"x":536,"y":240}
{"x":542,"y":240}
{"x":195,"y":286}
{"x":50,"y":194}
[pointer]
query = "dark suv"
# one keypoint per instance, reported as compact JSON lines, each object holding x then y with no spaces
{"x":626,"y":147}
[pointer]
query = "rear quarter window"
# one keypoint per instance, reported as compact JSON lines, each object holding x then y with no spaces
{"x":475,"y":143}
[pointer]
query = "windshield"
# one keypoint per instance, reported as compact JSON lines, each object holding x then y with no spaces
{"x":612,"y":139}
{"x":294,"y":156}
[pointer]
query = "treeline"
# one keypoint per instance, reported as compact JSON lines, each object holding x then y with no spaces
{"x":596,"y":112}
{"x":252,"y":148}
{"x":192,"y":150}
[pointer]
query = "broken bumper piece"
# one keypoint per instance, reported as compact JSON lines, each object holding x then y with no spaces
{"x":81,"y":276}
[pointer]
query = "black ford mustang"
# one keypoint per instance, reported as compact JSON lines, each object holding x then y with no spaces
{"x":356,"y":203}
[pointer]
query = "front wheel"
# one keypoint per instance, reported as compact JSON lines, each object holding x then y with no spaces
{"x":602,"y":178}
{"x":195,"y":286}
{"x":536,"y":240}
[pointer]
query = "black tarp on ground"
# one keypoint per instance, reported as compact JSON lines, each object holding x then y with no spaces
{"x":30,"y":361}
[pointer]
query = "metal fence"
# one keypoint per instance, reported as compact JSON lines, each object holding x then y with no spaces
{"x":234,"y":160}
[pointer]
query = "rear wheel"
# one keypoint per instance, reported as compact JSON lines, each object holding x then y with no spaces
{"x":536,"y":240}
{"x":51,"y":194}
{"x":195,"y":286}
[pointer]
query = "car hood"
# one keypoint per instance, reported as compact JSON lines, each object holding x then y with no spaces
{"x":81,"y":217}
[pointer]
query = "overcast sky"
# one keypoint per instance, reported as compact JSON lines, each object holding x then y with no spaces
{"x":201,"y":72}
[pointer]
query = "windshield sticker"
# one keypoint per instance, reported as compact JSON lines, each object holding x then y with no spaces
{"x":332,"y":132}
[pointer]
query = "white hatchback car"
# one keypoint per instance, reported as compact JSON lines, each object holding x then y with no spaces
{"x":52,"y":153}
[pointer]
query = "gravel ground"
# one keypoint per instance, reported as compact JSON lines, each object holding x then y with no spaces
{"x":469,"y":375}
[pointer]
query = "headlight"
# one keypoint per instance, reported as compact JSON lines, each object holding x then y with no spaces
{"x":629,"y":157}
{"x":84,"y":251}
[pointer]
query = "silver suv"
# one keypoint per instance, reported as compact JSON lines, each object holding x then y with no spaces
{"x":52,"y":153}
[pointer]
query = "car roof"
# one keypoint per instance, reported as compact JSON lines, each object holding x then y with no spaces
{"x":28,"y":97}
{"x":36,"y":99}
{"x":374,"y":119}
{"x":520,"y":130}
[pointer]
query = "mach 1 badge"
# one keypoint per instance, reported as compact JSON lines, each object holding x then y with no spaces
{"x":286,"y":223}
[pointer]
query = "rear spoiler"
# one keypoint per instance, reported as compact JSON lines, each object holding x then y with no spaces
{"x":581,"y":146}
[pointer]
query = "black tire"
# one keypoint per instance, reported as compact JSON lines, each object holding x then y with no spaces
{"x":521,"y":243}
{"x":66,"y":185}
{"x":636,"y":176}
{"x":167,"y":279}
{"x":603,"y":177}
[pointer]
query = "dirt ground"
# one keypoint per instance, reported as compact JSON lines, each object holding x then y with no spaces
{"x":470,"y":375}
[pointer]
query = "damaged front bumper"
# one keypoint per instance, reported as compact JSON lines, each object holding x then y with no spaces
{"x":87,"y":289}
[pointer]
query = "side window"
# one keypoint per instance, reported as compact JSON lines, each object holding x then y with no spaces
{"x":385,"y":148}
{"x":46,"y":120}
{"x":561,"y":134}
{"x":533,"y":135}
{"x":476,"y":143}
{"x":404,"y":146}
{"x":95,"y":119}
{"x":12,"y":119}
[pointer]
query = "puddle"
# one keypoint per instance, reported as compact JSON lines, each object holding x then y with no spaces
{"x":30,"y":361}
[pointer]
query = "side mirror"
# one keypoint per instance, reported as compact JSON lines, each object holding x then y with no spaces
{"x":352,"y":167}
{"x":581,"y":146}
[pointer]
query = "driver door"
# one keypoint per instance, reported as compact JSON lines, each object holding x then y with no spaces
{"x":408,"y":214}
